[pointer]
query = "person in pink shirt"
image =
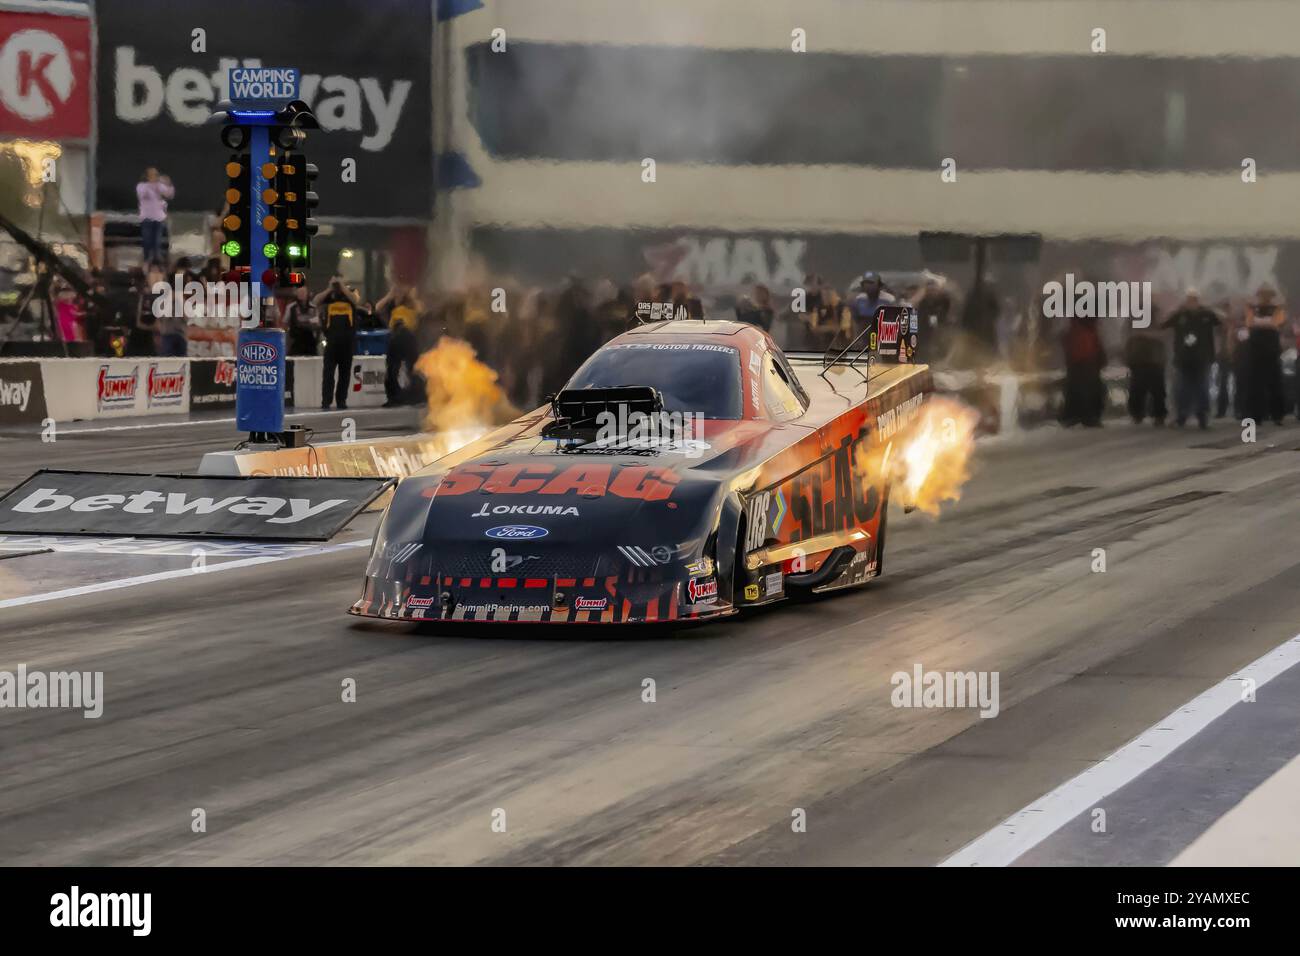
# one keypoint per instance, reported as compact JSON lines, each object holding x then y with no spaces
{"x":153,"y":192}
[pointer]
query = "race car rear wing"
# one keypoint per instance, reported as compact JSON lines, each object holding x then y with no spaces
{"x":891,"y":337}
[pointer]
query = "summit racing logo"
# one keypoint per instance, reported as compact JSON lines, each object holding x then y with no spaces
{"x":702,"y":590}
{"x":165,"y":388}
{"x":116,"y":391}
{"x":888,"y":331}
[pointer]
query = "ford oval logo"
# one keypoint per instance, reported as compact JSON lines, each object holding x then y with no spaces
{"x":516,"y":531}
{"x":258,"y":353}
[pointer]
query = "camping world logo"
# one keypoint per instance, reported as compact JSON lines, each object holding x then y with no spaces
{"x":115,"y":391}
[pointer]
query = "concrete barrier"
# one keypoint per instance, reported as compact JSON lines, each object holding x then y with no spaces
{"x":86,"y":389}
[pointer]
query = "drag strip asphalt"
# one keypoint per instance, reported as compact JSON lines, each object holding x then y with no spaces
{"x":224,"y":692}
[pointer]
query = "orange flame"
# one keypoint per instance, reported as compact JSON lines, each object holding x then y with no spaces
{"x":932,"y":459}
{"x":462,"y":393}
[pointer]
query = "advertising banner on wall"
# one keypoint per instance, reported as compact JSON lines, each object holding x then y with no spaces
{"x":364,"y":71}
{"x":22,"y":393}
{"x":44,"y":75}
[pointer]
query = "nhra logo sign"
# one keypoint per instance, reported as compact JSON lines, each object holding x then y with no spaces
{"x":116,"y":391}
{"x":166,"y":388}
{"x":258,"y":353}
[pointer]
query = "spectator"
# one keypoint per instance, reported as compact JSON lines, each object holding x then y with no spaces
{"x":871,"y":296}
{"x":1144,"y":353}
{"x":401,"y":308}
{"x":302,"y":320}
{"x":173,"y":341}
{"x":1193,"y":326}
{"x":1231,"y":357}
{"x":756,"y":308}
{"x":1085,"y":357}
{"x":1265,"y":318}
{"x":70,"y":313}
{"x":142,"y":337}
{"x":153,"y":192}
{"x":339,"y":305}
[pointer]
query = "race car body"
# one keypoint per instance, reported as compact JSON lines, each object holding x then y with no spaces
{"x":689,"y":469}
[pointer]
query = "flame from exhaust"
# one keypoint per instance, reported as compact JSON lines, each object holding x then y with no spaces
{"x":463,"y":397}
{"x":932,"y":460}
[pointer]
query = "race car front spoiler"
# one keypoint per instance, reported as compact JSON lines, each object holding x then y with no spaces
{"x":555,"y":600}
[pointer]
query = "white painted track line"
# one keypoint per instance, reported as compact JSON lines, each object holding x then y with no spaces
{"x":174,"y":573}
{"x":1024,"y":830}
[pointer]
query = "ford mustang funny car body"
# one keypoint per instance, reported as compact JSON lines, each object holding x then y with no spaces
{"x":688,"y":469}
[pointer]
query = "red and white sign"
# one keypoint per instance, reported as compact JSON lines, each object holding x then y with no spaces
{"x":888,"y":331}
{"x":166,"y":384}
{"x":44,"y":75}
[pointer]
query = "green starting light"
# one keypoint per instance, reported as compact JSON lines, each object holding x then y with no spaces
{"x":295,"y":252}
{"x":270,"y":250}
{"x":232,"y":248}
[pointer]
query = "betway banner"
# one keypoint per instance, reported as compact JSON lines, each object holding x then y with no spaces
{"x":22,"y":393}
{"x":365,"y":73}
{"x":170,"y":506}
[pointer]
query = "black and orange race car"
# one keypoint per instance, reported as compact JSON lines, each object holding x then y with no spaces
{"x":689,"y":469}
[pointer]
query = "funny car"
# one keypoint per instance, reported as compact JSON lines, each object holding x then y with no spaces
{"x":689,"y":469}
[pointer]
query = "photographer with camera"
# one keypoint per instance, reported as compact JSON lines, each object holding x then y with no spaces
{"x":337,"y":306}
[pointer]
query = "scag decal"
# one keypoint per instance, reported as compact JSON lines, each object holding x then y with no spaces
{"x":587,"y":480}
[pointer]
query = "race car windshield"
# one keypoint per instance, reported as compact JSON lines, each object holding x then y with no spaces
{"x":703,"y":379}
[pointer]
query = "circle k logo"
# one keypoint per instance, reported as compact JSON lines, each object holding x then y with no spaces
{"x":35,"y":74}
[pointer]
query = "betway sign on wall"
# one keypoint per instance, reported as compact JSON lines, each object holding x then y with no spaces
{"x":364,"y":72}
